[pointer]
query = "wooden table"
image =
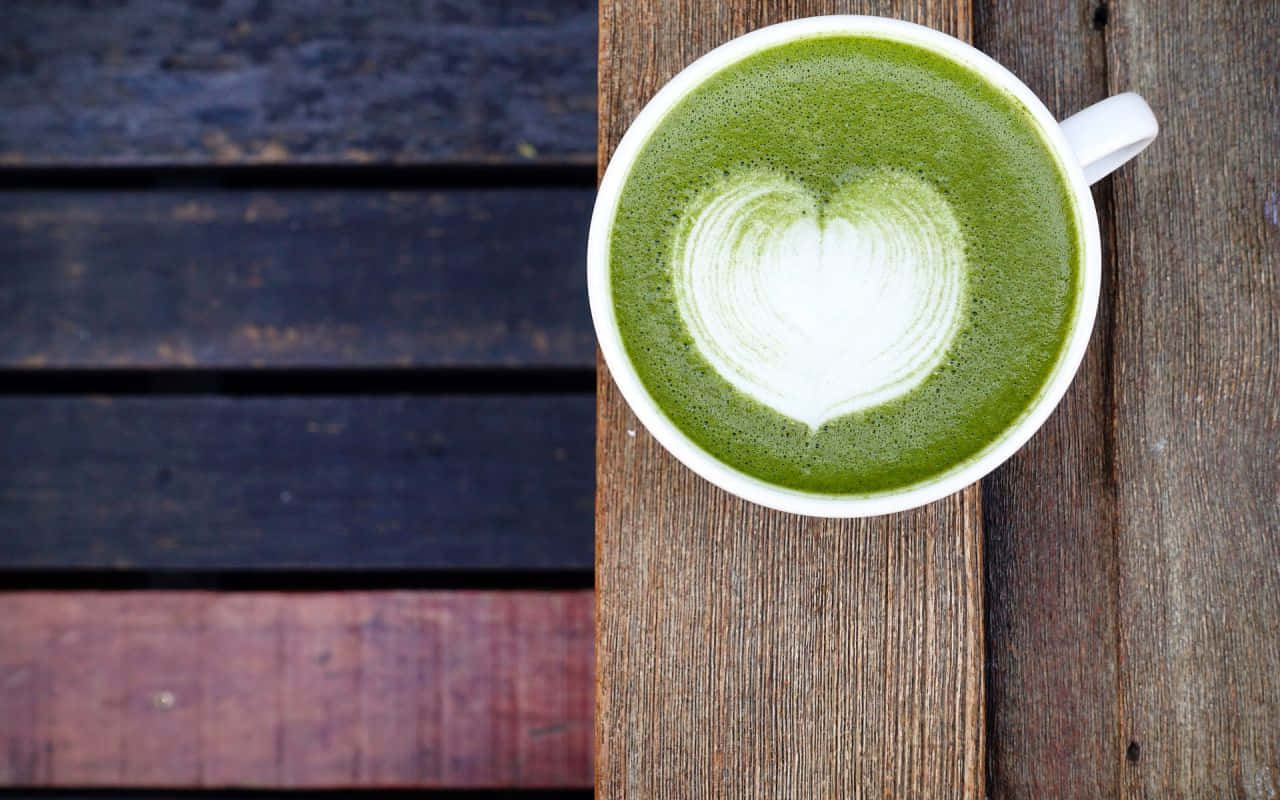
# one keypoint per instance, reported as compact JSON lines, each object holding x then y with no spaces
{"x":297,"y":410}
{"x":1101,"y":616}
{"x":284,"y":286}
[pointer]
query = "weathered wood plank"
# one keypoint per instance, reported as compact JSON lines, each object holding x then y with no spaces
{"x":1197,"y":411}
{"x":113,"y":793}
{"x":1049,"y":511}
{"x":747,"y":653}
{"x":314,"y":81}
{"x":352,"y":689}
{"x":294,"y":278}
{"x":431,"y":482}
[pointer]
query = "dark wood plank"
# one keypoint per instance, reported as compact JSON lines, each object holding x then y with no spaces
{"x":351,"y":689}
{"x":748,"y":653}
{"x":426,"y":482}
{"x":306,"y":81}
{"x":454,"y":277}
{"x":1197,"y":411}
{"x":1049,"y":511}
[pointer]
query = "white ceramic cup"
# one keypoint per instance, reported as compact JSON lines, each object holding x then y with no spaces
{"x":1089,"y":145}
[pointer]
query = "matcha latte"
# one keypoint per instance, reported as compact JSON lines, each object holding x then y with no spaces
{"x":845,"y":264}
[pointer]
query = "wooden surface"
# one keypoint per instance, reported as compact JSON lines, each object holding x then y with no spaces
{"x":300,"y":690}
{"x":747,"y":653}
{"x":343,"y":343}
{"x":1197,"y":419}
{"x":1131,"y":592}
{"x":295,"y":278}
{"x":310,"y":81}
{"x":427,"y":482}
{"x":1048,"y":513}
{"x":112,"y":793}
{"x":1132,"y":604}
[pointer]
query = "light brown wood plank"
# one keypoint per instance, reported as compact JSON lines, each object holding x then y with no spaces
{"x":1197,"y":377}
{"x":747,"y":653}
{"x":352,"y":689}
{"x":1048,"y":513}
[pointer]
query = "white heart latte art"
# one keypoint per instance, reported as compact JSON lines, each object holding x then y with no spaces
{"x":817,"y":310}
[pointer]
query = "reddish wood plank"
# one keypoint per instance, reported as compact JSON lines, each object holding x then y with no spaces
{"x":748,"y":653}
{"x":355,"y":689}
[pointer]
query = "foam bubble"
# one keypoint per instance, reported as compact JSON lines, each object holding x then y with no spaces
{"x":821,"y":309}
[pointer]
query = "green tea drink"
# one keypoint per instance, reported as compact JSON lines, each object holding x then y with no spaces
{"x":845,"y":264}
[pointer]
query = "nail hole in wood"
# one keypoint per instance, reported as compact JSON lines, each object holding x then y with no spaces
{"x":1133,"y":752}
{"x":1101,"y":15}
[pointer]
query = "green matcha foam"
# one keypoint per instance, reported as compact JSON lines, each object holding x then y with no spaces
{"x":728,"y":263}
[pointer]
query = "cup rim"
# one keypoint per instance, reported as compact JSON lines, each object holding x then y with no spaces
{"x":747,"y":486}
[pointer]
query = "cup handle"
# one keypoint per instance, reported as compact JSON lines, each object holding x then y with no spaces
{"x":1107,"y":134}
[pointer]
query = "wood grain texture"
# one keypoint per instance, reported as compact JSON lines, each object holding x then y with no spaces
{"x":209,"y":482}
{"x":305,"y":81}
{"x":114,"y":793}
{"x":1197,"y":367}
{"x":353,"y":689}
{"x":747,"y":653}
{"x":294,"y":278}
{"x":1049,"y":511}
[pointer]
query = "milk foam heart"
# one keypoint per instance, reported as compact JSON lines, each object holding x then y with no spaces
{"x":821,"y":309}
